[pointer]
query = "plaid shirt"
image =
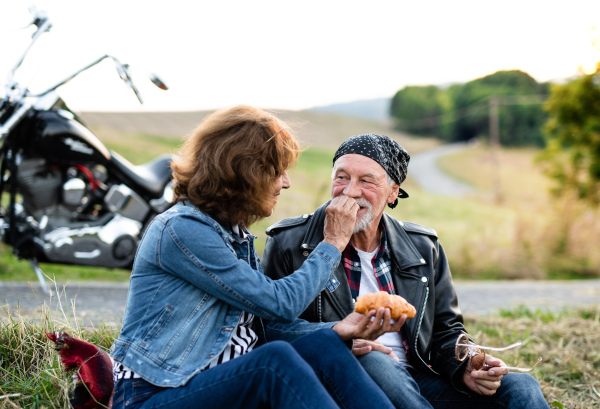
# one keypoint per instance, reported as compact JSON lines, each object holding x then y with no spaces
{"x":382,"y":267}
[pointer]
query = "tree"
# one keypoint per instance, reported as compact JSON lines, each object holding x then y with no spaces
{"x":416,"y":109}
{"x":520,"y":121}
{"x":572,"y":155}
{"x":462,"y":111}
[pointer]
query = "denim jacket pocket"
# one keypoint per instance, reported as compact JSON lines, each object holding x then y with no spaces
{"x":118,"y":349}
{"x":158,"y":323}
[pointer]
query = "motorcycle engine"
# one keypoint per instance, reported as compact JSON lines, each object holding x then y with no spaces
{"x":40,"y":186}
{"x":79,"y":219}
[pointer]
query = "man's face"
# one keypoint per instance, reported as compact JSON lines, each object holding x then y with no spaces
{"x":364,"y":180}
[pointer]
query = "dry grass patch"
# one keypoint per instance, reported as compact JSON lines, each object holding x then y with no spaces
{"x":31,"y":375}
{"x":528,"y":232}
{"x":567,"y":341}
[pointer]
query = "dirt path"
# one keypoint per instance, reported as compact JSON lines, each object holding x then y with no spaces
{"x":95,"y":303}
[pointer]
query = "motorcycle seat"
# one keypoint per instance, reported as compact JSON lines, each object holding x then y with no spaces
{"x":151,"y":176}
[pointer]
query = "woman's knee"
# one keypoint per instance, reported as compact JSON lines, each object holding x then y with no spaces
{"x":276,"y":350}
{"x":324,"y":340}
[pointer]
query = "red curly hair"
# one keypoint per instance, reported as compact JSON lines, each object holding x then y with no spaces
{"x":228,"y":166}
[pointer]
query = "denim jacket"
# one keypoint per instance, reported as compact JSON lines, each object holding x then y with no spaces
{"x":190,"y":281}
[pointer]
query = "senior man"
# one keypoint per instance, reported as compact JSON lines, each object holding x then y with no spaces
{"x":416,"y":366}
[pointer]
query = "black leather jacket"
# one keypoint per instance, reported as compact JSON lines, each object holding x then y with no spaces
{"x":420,"y":273}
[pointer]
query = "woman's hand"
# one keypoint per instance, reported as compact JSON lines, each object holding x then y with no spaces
{"x":340,"y":218}
{"x":370,"y":326}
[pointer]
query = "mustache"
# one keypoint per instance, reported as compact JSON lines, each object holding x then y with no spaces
{"x":364,"y":203}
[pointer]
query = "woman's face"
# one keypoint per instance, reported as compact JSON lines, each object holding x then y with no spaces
{"x":282,"y":182}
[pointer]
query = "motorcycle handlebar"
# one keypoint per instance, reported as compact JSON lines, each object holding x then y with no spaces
{"x":43,"y":24}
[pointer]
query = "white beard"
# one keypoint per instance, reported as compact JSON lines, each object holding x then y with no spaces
{"x":365,"y":220}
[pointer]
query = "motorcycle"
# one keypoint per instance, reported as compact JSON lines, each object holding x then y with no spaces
{"x":66,"y":198}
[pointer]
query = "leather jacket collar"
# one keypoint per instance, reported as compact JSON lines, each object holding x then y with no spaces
{"x":405,"y":254}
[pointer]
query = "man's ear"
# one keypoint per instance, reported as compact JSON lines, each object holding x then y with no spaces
{"x":394,"y":193}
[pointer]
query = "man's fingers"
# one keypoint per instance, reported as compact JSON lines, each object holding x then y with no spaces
{"x":362,"y":350}
{"x":486,"y":384}
{"x":363,"y":346}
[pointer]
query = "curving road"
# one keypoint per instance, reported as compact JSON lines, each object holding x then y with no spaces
{"x":424,"y":170}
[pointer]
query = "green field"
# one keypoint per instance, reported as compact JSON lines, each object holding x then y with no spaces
{"x":512,"y":228}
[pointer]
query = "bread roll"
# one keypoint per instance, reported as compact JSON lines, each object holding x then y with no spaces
{"x":395,"y":303}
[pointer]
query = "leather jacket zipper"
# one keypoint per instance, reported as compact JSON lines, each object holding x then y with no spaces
{"x":419,"y":329}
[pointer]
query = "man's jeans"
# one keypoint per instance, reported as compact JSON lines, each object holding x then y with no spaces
{"x":315,"y":371}
{"x":409,"y":389}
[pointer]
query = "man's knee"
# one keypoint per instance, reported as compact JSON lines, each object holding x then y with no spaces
{"x":522,"y":387}
{"x":383,"y":369}
{"x":376,"y":361}
{"x":520,"y":382}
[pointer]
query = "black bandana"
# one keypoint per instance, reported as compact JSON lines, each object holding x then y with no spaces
{"x":392,"y":157}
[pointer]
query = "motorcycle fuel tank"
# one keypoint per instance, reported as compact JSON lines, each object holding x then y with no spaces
{"x":58,"y":135}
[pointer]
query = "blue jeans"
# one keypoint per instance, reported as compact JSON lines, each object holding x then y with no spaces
{"x":315,"y":371}
{"x":409,"y":389}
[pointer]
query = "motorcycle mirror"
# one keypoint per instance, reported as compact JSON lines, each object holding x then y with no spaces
{"x":39,"y":17}
{"x":158,"y":82}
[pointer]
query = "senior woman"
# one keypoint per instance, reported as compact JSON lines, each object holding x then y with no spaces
{"x":196,"y":286}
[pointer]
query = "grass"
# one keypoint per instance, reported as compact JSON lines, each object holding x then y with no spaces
{"x":31,"y":375}
{"x":566,"y":340}
{"x":524,"y":234}
{"x":518,"y":229}
{"x":512,"y":228}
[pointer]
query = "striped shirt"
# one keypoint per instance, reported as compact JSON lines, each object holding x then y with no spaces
{"x":243,"y":341}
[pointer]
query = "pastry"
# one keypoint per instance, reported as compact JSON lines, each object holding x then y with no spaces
{"x":395,"y":303}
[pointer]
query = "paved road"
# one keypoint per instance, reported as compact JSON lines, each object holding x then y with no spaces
{"x":424,"y":170}
{"x":95,"y":303}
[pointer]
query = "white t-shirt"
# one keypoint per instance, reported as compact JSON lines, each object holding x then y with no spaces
{"x":368,"y":284}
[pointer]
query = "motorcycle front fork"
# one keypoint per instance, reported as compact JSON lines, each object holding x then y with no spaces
{"x":40,"y":275}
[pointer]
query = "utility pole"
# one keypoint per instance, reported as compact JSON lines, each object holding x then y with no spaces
{"x":494,"y":114}
{"x":495,"y":146}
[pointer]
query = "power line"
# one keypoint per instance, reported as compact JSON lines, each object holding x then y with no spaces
{"x":474,"y":108}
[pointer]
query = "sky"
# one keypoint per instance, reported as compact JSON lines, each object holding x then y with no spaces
{"x":294,"y":55}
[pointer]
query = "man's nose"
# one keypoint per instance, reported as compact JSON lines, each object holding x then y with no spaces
{"x":352,"y":189}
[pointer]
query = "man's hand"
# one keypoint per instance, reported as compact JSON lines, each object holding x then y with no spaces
{"x":340,"y":218}
{"x":486,"y":380}
{"x":369,"y":326}
{"x":364,"y":346}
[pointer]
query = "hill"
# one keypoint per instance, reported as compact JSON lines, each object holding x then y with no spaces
{"x":313,"y":128}
{"x":371,"y":109}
